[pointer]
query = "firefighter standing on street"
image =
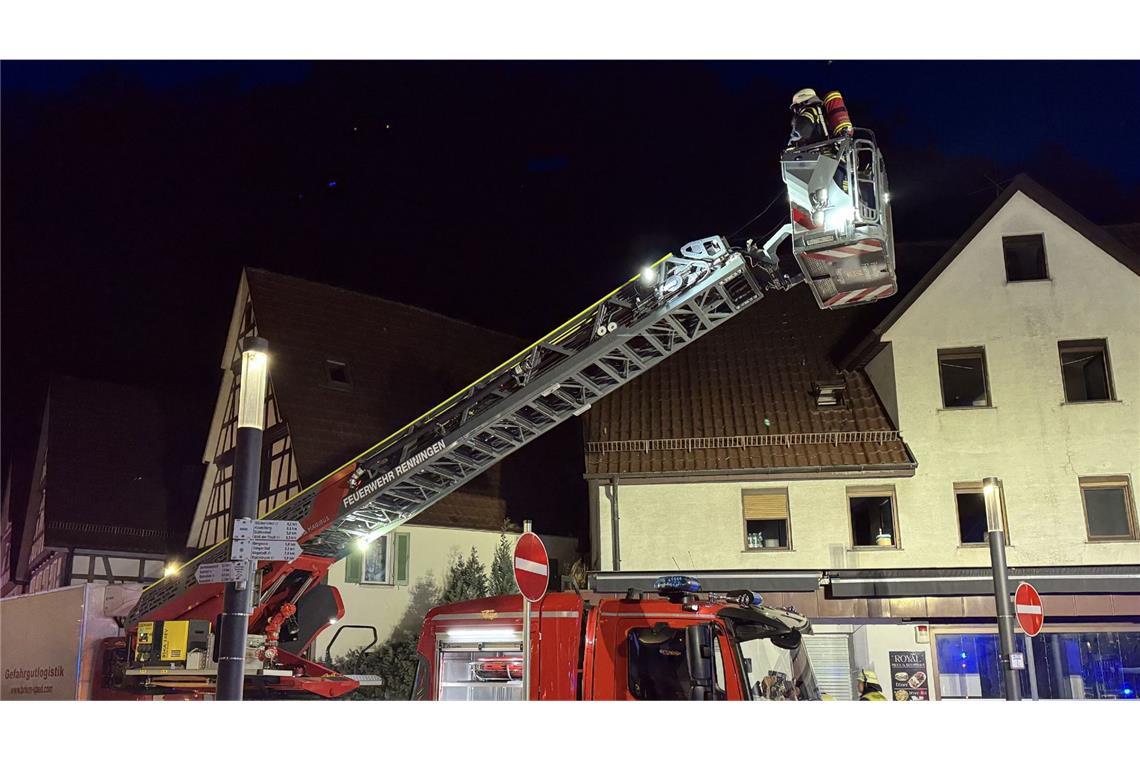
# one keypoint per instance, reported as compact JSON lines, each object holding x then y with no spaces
{"x":867,"y":683}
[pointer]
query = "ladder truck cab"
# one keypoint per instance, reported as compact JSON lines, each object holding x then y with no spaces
{"x":675,"y":642}
{"x":842,"y":242}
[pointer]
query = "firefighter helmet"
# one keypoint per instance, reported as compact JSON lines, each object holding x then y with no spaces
{"x":803,"y":96}
{"x":866,"y":676}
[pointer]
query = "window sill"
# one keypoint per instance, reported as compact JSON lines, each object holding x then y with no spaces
{"x":1113,"y":540}
{"x":981,"y":546}
{"x":380,"y":584}
{"x":762,"y":549}
{"x":874,"y":548}
{"x":1095,"y":401}
{"x":1035,"y":279}
{"x":965,"y":408}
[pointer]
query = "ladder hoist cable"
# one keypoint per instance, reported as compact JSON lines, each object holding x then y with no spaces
{"x":754,"y":219}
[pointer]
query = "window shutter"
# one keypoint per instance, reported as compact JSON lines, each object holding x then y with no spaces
{"x":353,"y":567}
{"x":767,"y":505}
{"x":403,"y":548}
{"x":831,"y":663}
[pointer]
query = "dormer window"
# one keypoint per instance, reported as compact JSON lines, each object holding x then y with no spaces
{"x":1024,"y":258}
{"x":828,"y":394}
{"x":337,"y":374}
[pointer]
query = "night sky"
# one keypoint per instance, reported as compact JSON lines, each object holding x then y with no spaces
{"x":509,"y":195}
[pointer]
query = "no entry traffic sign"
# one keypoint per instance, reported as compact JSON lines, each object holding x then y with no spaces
{"x":1027,"y":605}
{"x":532,"y":567}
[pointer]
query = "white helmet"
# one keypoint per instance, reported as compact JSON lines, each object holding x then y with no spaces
{"x":803,"y":95}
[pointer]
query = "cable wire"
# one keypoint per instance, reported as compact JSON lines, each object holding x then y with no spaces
{"x":753,"y":220}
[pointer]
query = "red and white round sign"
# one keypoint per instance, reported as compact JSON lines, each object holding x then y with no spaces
{"x":532,"y":567}
{"x":1027,"y":605}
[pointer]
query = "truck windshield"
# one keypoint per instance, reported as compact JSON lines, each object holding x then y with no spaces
{"x":780,"y":674}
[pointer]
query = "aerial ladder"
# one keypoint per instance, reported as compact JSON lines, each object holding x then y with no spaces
{"x":843,"y":245}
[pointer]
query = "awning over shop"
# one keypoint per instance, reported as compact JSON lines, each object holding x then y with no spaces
{"x":978,"y":581}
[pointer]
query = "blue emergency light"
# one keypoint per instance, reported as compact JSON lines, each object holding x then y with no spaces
{"x":677,"y":584}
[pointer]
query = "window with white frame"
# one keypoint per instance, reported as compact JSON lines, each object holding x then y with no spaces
{"x":766,"y":521}
{"x":377,"y":562}
{"x":873,"y":518}
{"x":384,"y":561}
{"x":973,"y":525}
{"x":1108,"y":508}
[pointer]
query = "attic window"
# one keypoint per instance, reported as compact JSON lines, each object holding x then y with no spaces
{"x":829,"y":394}
{"x":337,"y":373}
{"x":1024,"y":258}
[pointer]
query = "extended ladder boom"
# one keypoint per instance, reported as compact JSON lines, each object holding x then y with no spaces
{"x":671,"y":304}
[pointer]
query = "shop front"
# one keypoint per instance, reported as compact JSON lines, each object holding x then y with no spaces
{"x":1091,"y":661}
{"x":931,"y":633}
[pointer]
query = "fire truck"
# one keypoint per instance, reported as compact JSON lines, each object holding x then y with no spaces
{"x":841,"y":240}
{"x":674,"y":642}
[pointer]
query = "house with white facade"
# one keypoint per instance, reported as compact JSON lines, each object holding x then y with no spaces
{"x":833,"y":460}
{"x":345,"y":370}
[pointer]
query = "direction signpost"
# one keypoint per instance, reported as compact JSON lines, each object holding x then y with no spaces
{"x":222,"y":572}
{"x":258,"y":549}
{"x":266,"y":540}
{"x":532,"y":574}
{"x":267,"y":530}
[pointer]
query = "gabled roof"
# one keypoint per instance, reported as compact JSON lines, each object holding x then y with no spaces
{"x":401,"y":360}
{"x":116,"y":467}
{"x":1120,"y":244}
{"x":760,"y":366}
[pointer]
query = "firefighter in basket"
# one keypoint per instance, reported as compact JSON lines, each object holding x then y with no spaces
{"x":815,"y":121}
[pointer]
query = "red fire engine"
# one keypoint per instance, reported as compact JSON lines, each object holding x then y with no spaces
{"x":675,"y":642}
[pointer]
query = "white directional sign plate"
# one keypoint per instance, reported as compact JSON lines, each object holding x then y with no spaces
{"x":222,"y":572}
{"x":265,"y":550}
{"x":267,"y":530}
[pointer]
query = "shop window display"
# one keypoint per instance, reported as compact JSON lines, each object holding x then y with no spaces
{"x":1068,"y":665}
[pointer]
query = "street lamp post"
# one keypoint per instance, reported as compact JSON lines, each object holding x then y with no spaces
{"x":996,"y":535}
{"x":247,"y":471}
